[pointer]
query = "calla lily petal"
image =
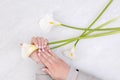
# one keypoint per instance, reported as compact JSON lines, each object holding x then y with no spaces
{"x":27,"y":50}
{"x":47,"y":22}
{"x":70,"y":53}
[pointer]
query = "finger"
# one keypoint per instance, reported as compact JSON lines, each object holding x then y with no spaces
{"x":44,"y":60}
{"x":39,"y":42}
{"x":34,"y":41}
{"x":47,"y":53}
{"x":48,"y":57}
{"x":46,"y":70}
{"x":48,"y":49}
{"x":42,"y":43}
{"x":50,"y":52}
{"x":35,"y":57}
{"x":45,"y":43}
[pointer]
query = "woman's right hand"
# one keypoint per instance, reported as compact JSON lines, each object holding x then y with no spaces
{"x":41,"y":43}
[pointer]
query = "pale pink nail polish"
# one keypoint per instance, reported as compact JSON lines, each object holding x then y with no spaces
{"x":39,"y":50}
{"x":43,"y":50}
{"x":39,"y":54}
{"x":50,"y":51}
{"x":39,"y":47}
{"x":43,"y":69}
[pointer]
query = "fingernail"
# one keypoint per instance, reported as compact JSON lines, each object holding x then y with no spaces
{"x":43,"y":69}
{"x":39,"y":50}
{"x":43,"y":50}
{"x":39,"y":47}
{"x":39,"y":54}
{"x":50,"y":51}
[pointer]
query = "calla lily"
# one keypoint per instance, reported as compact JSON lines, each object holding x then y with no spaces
{"x":47,"y":22}
{"x":70,"y":54}
{"x":27,"y":49}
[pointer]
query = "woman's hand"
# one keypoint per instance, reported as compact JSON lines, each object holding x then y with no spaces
{"x":39,"y":42}
{"x":55,"y":66}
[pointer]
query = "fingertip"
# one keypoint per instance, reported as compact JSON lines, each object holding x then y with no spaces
{"x":43,"y":49}
{"x":45,"y":70}
{"x":39,"y":42}
{"x":39,"y":50}
{"x":39,"y":54}
{"x":46,"y":41}
{"x":50,"y":51}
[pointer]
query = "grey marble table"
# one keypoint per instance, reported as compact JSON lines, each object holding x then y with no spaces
{"x":19,"y":22}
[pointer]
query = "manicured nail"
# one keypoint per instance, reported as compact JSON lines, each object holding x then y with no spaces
{"x":39,"y":54}
{"x":39,"y":50}
{"x":39,"y":47}
{"x":43,"y":49}
{"x":43,"y":69}
{"x":50,"y":51}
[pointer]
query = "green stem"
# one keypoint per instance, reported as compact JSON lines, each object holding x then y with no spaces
{"x":64,"y":40}
{"x":83,"y":36}
{"x":105,"y":29}
{"x":62,"y":44}
{"x":88,"y":37}
{"x":102,"y":34}
{"x":101,"y":13}
{"x":103,"y":25}
{"x":100,"y":26}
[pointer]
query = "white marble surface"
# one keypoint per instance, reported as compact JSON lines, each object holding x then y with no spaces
{"x":19,"y":22}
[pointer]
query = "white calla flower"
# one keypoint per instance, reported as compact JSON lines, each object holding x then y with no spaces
{"x":70,"y":53}
{"x":27,"y":50}
{"x":47,"y":22}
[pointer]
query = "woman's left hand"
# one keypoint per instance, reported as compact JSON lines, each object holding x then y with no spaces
{"x":55,"y":66}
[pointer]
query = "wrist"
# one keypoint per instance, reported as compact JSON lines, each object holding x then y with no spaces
{"x":73,"y":73}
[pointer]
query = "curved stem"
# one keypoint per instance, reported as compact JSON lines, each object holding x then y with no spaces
{"x":62,"y":44}
{"x":101,"y":13}
{"x":101,"y":34}
{"x":105,"y":29}
{"x":100,"y":26}
{"x":88,"y":37}
{"x":64,"y":40}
